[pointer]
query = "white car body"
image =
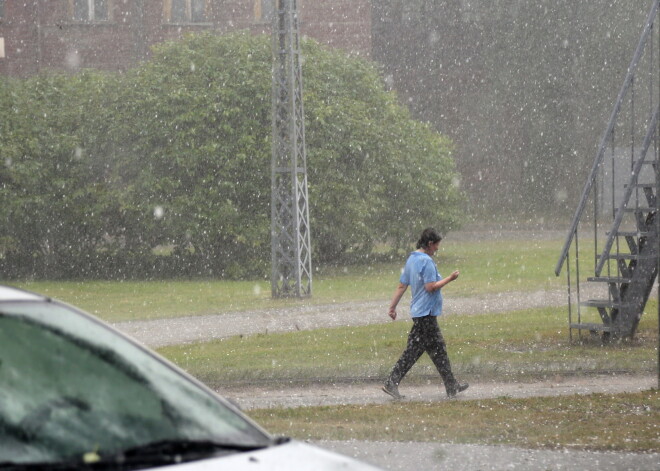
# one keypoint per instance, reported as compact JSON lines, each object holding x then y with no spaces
{"x":75,"y":391}
{"x":291,"y":456}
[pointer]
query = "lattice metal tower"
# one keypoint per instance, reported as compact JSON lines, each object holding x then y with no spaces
{"x":291,"y":249}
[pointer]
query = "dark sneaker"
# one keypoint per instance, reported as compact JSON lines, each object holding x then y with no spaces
{"x":458,"y":387}
{"x":392,"y":389}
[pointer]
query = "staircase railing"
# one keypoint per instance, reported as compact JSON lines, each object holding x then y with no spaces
{"x":621,"y":210}
{"x":604,"y":142}
{"x":642,"y":129}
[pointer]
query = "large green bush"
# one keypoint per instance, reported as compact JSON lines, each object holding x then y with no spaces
{"x":55,"y":204}
{"x":165,"y":170}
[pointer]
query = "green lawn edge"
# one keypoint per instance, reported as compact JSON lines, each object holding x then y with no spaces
{"x":628,"y":422}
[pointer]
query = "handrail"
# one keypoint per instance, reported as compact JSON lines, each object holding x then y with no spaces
{"x":652,"y":129}
{"x":603,"y":143}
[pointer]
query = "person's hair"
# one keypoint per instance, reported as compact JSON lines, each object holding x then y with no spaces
{"x":429,"y":236}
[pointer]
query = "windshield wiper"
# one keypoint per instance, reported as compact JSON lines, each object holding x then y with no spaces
{"x":174,"y":451}
{"x":155,"y":453}
{"x":188,"y":446}
{"x":151,"y":454}
{"x":38,"y":466}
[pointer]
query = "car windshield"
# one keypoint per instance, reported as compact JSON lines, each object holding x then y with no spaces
{"x":72,"y":389}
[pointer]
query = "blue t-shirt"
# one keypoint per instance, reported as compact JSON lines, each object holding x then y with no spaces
{"x":419,"y":270}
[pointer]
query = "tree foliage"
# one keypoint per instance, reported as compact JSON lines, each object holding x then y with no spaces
{"x":54,"y":200}
{"x":165,"y":170}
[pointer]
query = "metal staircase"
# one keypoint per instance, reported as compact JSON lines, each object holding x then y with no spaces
{"x":623,"y":189}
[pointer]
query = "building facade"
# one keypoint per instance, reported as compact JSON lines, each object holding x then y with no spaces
{"x":37,"y":35}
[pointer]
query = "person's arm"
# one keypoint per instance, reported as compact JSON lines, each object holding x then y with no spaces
{"x":398,"y":294}
{"x":436,"y":285}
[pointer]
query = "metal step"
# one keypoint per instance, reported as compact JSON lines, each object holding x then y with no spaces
{"x":641,"y":185}
{"x":630,"y":233}
{"x":592,"y":327}
{"x":626,"y":256}
{"x":604,"y":303}
{"x":640,"y":209}
{"x":610,"y":279}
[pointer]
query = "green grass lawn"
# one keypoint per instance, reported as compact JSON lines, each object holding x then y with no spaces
{"x":515,"y":346}
{"x":509,"y":347}
{"x":493,"y":267}
{"x":607,"y":422}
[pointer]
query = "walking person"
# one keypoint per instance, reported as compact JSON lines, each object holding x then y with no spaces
{"x":422,"y":275}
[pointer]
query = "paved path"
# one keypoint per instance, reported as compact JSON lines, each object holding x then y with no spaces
{"x":426,"y":456}
{"x":283,"y":395}
{"x":161,"y":332}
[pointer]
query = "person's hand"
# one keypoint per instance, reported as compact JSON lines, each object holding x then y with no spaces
{"x":454,"y":275}
{"x":392,"y":313}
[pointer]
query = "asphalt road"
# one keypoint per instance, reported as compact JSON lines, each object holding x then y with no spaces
{"x":415,"y":456}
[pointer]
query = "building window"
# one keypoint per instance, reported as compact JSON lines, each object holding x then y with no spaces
{"x":186,"y":11}
{"x":90,"y":10}
{"x":263,"y":10}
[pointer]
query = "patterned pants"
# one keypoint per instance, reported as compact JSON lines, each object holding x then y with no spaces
{"x":424,"y":336}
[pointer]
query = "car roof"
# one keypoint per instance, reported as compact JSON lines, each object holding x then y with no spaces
{"x":8,"y":293}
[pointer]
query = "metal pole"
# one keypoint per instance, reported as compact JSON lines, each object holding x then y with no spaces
{"x":657,"y":206}
{"x":657,"y":195}
{"x":570,"y":310}
{"x":290,"y":234}
{"x":657,"y":203}
{"x":577,"y":281}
